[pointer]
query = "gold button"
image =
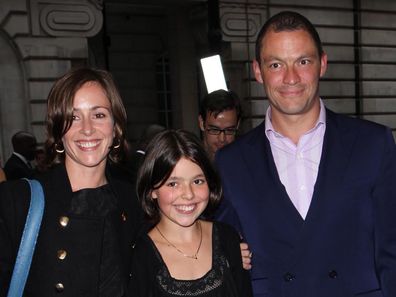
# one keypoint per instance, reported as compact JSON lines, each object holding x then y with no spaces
{"x":124,"y":216}
{"x":64,"y":221}
{"x":59,"y":287}
{"x":62,"y":254}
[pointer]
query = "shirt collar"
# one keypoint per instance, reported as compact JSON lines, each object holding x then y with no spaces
{"x":268,"y":124}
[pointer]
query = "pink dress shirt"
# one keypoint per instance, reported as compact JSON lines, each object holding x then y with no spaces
{"x":298,"y":165}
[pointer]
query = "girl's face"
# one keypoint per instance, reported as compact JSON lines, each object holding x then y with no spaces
{"x":184,"y":195}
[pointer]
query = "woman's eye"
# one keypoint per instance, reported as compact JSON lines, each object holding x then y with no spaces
{"x":74,"y":117}
{"x":100,"y":115}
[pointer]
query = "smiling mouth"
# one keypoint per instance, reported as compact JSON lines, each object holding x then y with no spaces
{"x":87,"y":144}
{"x":186,"y":208}
{"x":291,"y":92}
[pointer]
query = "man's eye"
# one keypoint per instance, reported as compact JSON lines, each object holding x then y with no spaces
{"x":274,"y":65}
{"x":230,"y":131}
{"x":214,"y":131}
{"x":304,"y":62}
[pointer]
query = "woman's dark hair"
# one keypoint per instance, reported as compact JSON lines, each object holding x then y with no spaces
{"x":162,"y":154}
{"x":60,"y":111}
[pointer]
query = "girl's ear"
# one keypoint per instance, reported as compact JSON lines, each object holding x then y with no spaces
{"x":154,"y":195}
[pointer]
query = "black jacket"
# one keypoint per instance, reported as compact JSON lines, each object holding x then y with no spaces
{"x":15,"y":168}
{"x":81,"y":238}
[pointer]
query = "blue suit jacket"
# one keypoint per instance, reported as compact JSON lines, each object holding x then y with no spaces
{"x":347,"y":244}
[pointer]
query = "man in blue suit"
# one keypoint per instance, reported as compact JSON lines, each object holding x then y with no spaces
{"x":312,"y":192}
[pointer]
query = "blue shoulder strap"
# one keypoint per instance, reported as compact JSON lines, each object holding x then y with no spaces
{"x":28,"y":241}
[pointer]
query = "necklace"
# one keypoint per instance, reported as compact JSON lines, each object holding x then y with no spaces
{"x":195,"y":256}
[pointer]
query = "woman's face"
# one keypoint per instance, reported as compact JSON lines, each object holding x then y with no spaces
{"x":184,"y":195}
{"x":88,"y":141}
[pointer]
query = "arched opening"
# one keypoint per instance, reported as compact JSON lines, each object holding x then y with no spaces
{"x":13,"y":111}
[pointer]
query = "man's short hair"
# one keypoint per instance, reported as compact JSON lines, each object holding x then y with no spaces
{"x":288,"y":21}
{"x":219,"y":101}
{"x":22,"y":140}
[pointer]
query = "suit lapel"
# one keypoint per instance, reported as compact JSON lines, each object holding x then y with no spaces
{"x":130,"y":222}
{"x":259,"y":160}
{"x":337,"y":147}
{"x":326,"y":199}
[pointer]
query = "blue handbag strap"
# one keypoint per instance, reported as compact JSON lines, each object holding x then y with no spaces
{"x":28,"y":241}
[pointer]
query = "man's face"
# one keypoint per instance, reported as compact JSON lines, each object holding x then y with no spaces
{"x":290,"y":69}
{"x":29,"y":150}
{"x":218,"y":131}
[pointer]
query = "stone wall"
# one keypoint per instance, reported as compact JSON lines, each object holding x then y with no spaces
{"x":39,"y":41}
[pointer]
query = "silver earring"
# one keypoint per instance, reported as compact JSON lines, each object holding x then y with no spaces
{"x":118,"y":145}
{"x":60,"y":151}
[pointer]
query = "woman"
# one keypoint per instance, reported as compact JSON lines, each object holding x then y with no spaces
{"x":90,"y":219}
{"x":183,"y":254}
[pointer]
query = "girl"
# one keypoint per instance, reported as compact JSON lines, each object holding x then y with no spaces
{"x":183,"y":254}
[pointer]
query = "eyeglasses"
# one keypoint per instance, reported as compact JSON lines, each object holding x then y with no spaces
{"x":217,"y":131}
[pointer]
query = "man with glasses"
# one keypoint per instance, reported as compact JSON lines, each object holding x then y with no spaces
{"x":219,"y":116}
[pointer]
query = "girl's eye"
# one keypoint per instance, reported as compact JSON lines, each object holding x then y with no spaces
{"x":199,"y":181}
{"x":172,"y":184}
{"x":74,"y":117}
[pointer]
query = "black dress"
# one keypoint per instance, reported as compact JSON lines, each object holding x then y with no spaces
{"x":102,"y":203}
{"x":151,"y":278}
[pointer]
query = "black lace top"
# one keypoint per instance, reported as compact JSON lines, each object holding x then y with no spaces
{"x":223,"y":279}
{"x":101,"y":202}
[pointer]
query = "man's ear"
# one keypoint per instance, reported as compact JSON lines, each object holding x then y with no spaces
{"x":323,"y":64}
{"x":201,"y":123}
{"x":257,"y":71}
